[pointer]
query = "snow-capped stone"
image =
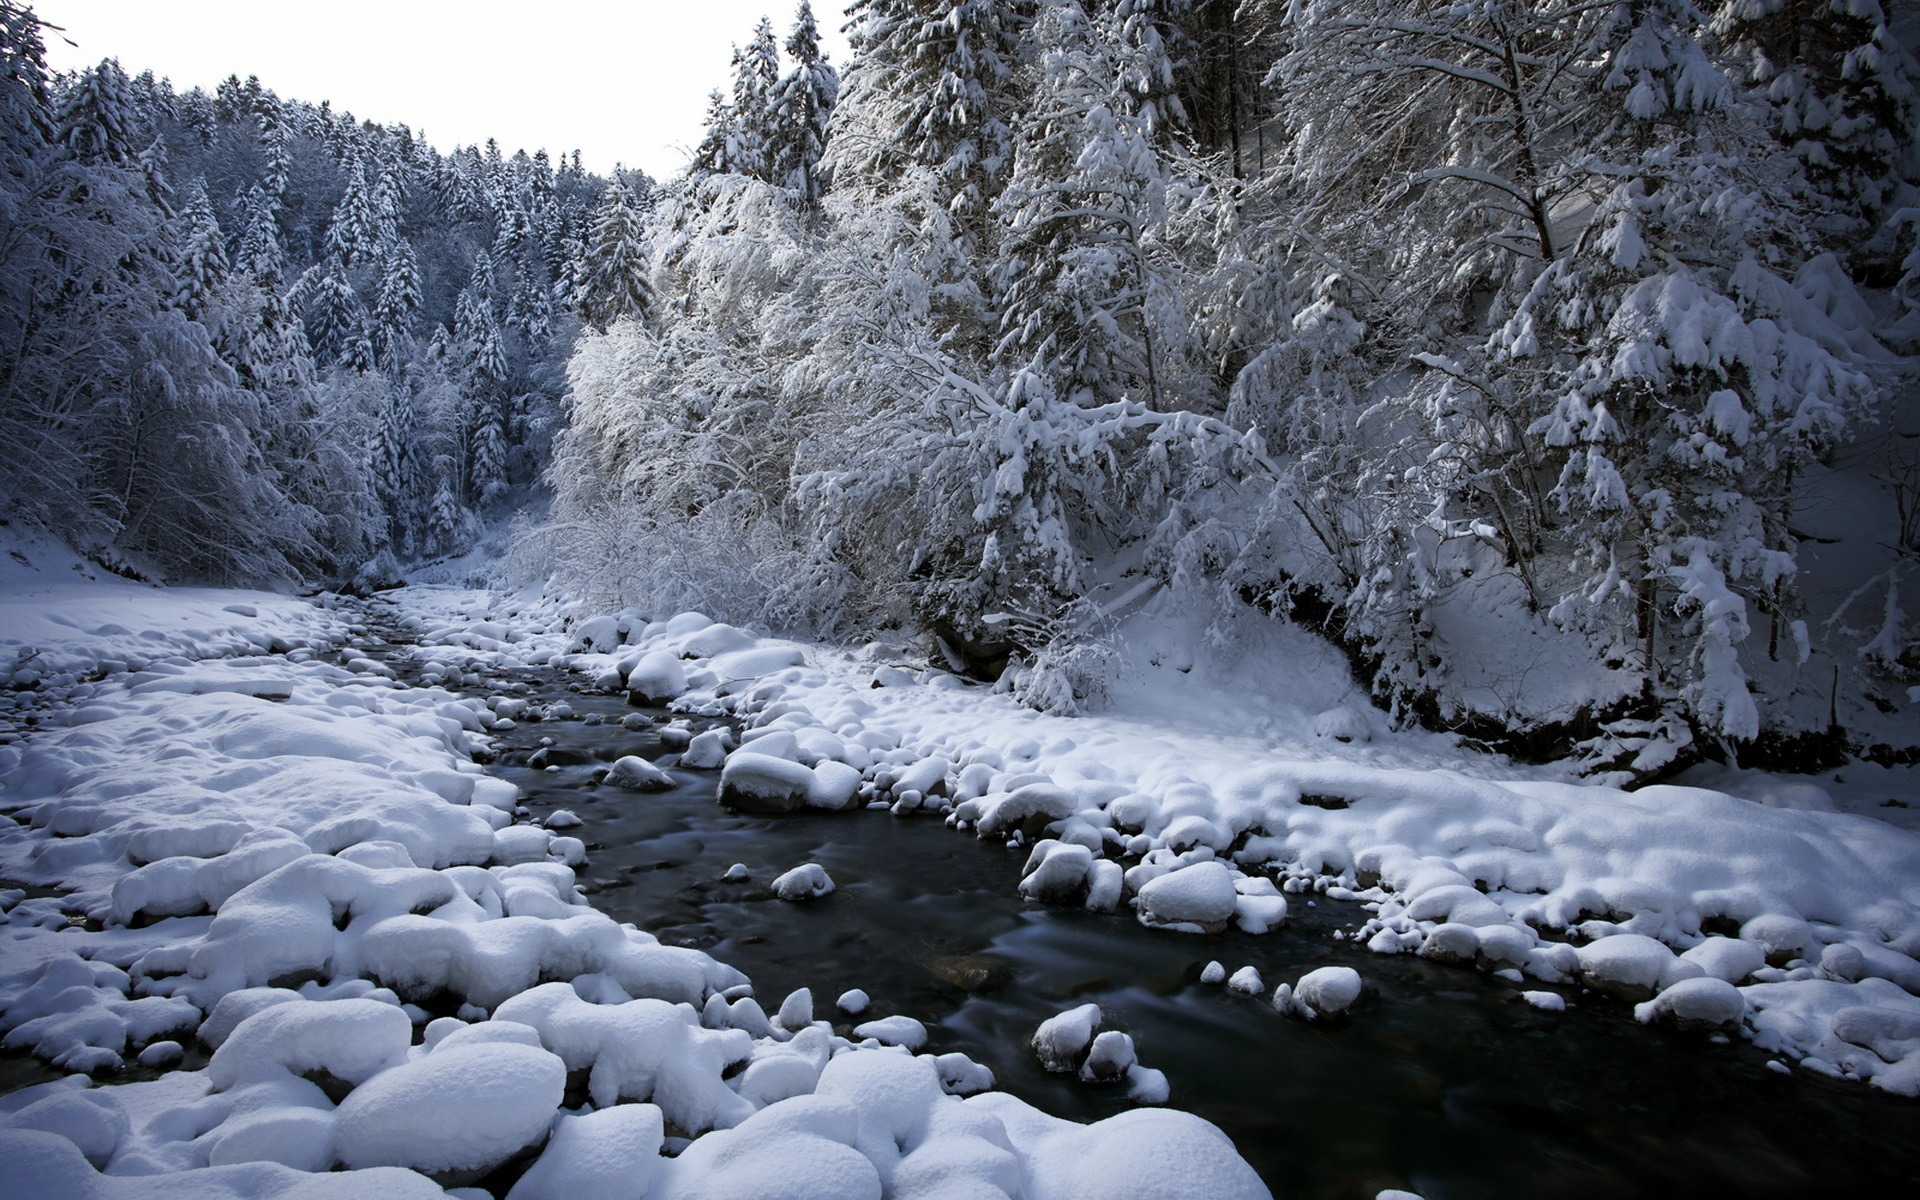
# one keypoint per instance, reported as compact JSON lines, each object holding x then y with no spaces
{"x":1062,"y":1039}
{"x":1325,"y":991}
{"x":504,"y":1096}
{"x":1698,"y":1003}
{"x":835,"y":786}
{"x":853,"y":1002}
{"x":1247,"y":982}
{"x":1213,"y":972}
{"x":561,"y":818}
{"x":761,"y":783}
{"x":636,"y":774}
{"x":707,"y":751}
{"x":656,"y":679}
{"x":1626,"y":964}
{"x":609,"y":1154}
{"x":894,"y":1031}
{"x":1546,"y":1001}
{"x":806,"y":882}
{"x":1451,"y":942}
{"x":1782,"y":936}
{"x":737,"y":873}
{"x":1258,"y":906}
{"x":1055,"y":873}
{"x":796,"y":1011}
{"x":1192,"y":899}
{"x":1109,"y":1058}
{"x":1731,"y":959}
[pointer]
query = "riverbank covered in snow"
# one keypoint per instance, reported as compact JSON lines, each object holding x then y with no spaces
{"x":234,"y":839}
{"x":1209,"y":794}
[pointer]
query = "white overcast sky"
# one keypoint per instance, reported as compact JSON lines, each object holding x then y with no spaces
{"x":621,"y":80}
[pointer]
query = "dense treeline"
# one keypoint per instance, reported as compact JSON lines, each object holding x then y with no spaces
{"x":1453,"y":324}
{"x":246,"y":338}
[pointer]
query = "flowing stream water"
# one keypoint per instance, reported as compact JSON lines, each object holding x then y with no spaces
{"x":1441,"y":1080}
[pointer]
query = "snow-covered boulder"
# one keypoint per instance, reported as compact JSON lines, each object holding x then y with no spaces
{"x":707,"y":751}
{"x":465,"y":1109}
{"x":1630,"y":965}
{"x":806,"y":882}
{"x":656,"y":679}
{"x":611,"y":1154}
{"x":1056,"y":873}
{"x":763,"y":784}
{"x":1109,"y":1058}
{"x":1062,"y":1039}
{"x":1322,"y":992}
{"x":636,"y":774}
{"x":894,"y":1031}
{"x":1193,"y":899}
{"x":1699,"y":1003}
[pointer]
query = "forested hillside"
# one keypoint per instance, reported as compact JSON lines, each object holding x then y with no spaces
{"x":1508,"y":342}
{"x":247,"y":338}
{"x":1557,"y":359}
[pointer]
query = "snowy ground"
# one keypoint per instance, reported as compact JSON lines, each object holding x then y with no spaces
{"x":231,"y":839}
{"x":1224,"y":779}
{"x":289,"y":857}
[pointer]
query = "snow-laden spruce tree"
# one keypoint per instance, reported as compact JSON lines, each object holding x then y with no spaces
{"x":611,"y":281}
{"x":803,"y":106}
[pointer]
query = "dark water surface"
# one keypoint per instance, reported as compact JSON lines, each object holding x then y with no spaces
{"x":1442,"y":1081}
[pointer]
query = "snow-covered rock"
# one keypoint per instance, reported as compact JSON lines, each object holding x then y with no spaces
{"x":808,"y":881}
{"x":1062,"y":1040}
{"x":1192,"y":899}
{"x":466,"y":1109}
{"x":636,"y":774}
{"x":761,"y":783}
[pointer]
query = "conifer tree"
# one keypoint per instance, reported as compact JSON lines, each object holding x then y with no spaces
{"x":613,"y":272}
{"x":803,"y":105}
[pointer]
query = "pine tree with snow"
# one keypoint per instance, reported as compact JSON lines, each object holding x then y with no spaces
{"x":612,"y":281}
{"x":711,"y":156}
{"x":803,"y":105}
{"x":200,"y":261}
{"x":396,"y":302}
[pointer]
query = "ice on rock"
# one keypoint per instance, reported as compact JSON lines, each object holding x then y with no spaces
{"x":1193,"y":899}
{"x":465,"y":1109}
{"x":656,"y":679}
{"x":806,"y":882}
{"x":1698,"y":1003}
{"x":894,"y":1031}
{"x":636,"y":774}
{"x":609,"y":1154}
{"x":853,"y":1002}
{"x":1062,"y":1039}
{"x":1109,"y":1058}
{"x":1247,"y":982}
{"x":761,"y":783}
{"x":707,"y":751}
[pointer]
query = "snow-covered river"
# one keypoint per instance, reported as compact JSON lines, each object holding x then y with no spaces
{"x":213,"y":822}
{"x":1439,"y":1076}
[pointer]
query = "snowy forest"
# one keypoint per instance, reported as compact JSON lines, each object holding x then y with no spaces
{"x":1536,"y":325}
